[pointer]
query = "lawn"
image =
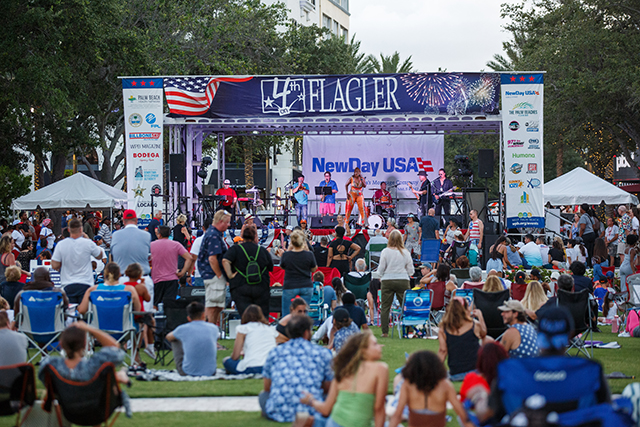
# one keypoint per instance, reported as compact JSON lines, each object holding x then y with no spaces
{"x":624,"y":360}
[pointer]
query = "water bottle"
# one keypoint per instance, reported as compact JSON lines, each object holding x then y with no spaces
{"x":615,"y":325}
{"x":161,"y":308}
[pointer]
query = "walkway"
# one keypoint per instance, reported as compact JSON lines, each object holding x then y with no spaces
{"x":196,"y":404}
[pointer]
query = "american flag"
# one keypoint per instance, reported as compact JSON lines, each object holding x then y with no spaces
{"x":192,"y":96}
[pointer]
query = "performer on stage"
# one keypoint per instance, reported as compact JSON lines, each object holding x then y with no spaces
{"x":328,"y":202}
{"x":383,"y":201}
{"x":230,"y":201}
{"x":355,"y":195}
{"x":439,"y":186}
{"x":424,"y":193}
{"x":301,"y":193}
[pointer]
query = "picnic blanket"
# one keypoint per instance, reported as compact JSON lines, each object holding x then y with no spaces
{"x":600,"y":344}
{"x":166,"y":375}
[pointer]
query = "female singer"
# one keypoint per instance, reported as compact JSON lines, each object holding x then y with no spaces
{"x":355,"y":195}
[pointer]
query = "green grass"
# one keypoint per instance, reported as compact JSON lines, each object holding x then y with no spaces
{"x":624,"y":360}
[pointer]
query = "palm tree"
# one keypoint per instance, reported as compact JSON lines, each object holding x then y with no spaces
{"x":388,"y":64}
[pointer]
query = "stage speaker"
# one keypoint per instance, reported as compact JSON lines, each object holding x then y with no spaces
{"x":329,"y":221}
{"x":177,"y":168}
{"x":315,"y":222}
{"x":475,"y":198}
{"x":192,"y":292}
{"x":485,"y":163}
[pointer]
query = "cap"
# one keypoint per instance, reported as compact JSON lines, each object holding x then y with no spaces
{"x":46,"y":222}
{"x":290,"y":227}
{"x":425,"y":265}
{"x":422,"y":173}
{"x":554,"y":328}
{"x":226,"y":181}
{"x":16,"y":222}
{"x":340,"y":315}
{"x":237,"y":239}
{"x":411,"y":216}
{"x":520,"y":244}
{"x":512,"y":305}
{"x":129,"y":214}
{"x":555,"y":275}
{"x":96,"y":238}
{"x":304,"y":220}
{"x":248,"y":216}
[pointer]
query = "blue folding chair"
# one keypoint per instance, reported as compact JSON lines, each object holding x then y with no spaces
{"x":464,"y":293}
{"x":317,"y":309}
{"x":430,"y":250}
{"x":41,"y":319}
{"x":112,"y":312}
{"x":416,"y":310}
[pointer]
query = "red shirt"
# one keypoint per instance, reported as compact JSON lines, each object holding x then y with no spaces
{"x":379,"y":194}
{"x":227,"y":192}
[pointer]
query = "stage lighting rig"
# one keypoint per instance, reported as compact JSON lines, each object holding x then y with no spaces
{"x":206,"y":161}
{"x":464,"y":165}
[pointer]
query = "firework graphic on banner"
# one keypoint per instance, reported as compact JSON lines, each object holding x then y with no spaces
{"x":431,"y":90}
{"x":482,"y":92}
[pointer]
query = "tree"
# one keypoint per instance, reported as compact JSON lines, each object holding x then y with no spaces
{"x":388,"y":64}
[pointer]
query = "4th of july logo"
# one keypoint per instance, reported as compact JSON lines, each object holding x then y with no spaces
{"x":283,"y":96}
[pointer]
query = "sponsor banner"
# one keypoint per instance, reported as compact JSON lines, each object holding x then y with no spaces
{"x":143,"y":142}
{"x":394,"y":159}
{"x":367,"y":94}
{"x":522,"y":103}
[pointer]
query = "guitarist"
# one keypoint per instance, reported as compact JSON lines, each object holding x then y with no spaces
{"x":440,"y":186}
{"x":423,"y":194}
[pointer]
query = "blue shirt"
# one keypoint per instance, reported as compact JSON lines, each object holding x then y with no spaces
{"x":329,"y":295}
{"x":329,"y":198}
{"x":131,"y":245}
{"x":212,"y":244}
{"x":429,"y":225}
{"x":293,"y":368}
{"x":343,"y":334}
{"x":199,"y":342}
{"x":301,"y":196}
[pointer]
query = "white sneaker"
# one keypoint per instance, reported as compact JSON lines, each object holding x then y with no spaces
{"x":624,"y":334}
{"x":150,"y":352}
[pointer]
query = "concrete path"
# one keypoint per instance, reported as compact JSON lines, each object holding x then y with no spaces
{"x":196,"y":404}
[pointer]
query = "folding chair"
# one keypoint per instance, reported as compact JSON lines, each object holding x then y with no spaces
{"x":275,"y":303}
{"x":112,"y":312}
{"x":17,"y":389}
{"x":459,"y":249}
{"x":468,"y":285}
{"x":85,"y":403}
{"x":41,"y":319}
{"x":317,"y":310}
{"x":464,"y":293}
{"x":518,"y":290}
{"x":578,"y":305}
{"x":430,"y":250}
{"x":374,"y":251}
{"x":416,"y":310}
{"x":437,"y":300}
{"x":175,"y":314}
{"x":462,"y":274}
{"x":488,"y":303}
{"x":359,"y":286}
{"x":567,"y":383}
{"x":633,"y":287}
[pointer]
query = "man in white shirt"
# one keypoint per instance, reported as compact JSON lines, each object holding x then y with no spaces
{"x":197,"y":280}
{"x":531,"y":253}
{"x":18,"y":235}
{"x":611,"y":239}
{"x":544,"y":249}
{"x":72,"y":257}
{"x":46,"y":233}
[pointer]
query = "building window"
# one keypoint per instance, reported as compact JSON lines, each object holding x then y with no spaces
{"x":326,"y":21}
{"x":345,"y":33}
{"x":335,"y":27}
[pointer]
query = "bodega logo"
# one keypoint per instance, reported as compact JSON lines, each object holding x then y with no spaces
{"x":146,"y":155}
{"x":388,"y":164}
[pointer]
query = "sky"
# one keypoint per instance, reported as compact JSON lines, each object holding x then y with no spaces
{"x":456,"y":35}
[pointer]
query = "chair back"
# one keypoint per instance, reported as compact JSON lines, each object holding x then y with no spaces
{"x":111,"y":311}
{"x":17,"y":387}
{"x":430,"y":251}
{"x":275,"y":299}
{"x":633,"y":286}
{"x":359,"y":286}
{"x":329,"y":274}
{"x":316,"y":306}
{"x":85,"y":403}
{"x":416,"y":306}
{"x":469,"y":285}
{"x":437,"y":300}
{"x":461,"y":273}
{"x":459,"y":249}
{"x":175,"y":311}
{"x":578,"y":305}
{"x":276,"y":276}
{"x":567,"y":383}
{"x":518,"y":290}
{"x":464,"y":293}
{"x":41,"y":313}
{"x":488,"y":303}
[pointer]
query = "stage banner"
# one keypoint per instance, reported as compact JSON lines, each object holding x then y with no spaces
{"x":522,"y":107}
{"x":143,"y":144}
{"x":394,"y":159}
{"x":366,"y":94}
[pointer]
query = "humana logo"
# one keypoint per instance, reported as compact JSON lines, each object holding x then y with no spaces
{"x":523,"y":155}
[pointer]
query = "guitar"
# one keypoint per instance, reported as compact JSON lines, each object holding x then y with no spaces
{"x":417,"y":195}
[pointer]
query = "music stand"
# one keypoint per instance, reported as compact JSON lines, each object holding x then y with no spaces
{"x":322,"y":191}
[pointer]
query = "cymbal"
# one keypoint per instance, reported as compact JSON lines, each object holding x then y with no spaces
{"x":373,"y":188}
{"x":252,"y":190}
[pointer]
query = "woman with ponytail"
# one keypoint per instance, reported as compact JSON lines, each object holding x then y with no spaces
{"x":111,"y":283}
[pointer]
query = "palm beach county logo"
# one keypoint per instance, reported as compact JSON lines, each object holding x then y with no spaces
{"x":523,"y":109}
{"x":283,"y":96}
{"x":135,"y":120}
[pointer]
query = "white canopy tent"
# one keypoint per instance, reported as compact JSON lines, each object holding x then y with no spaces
{"x":75,"y":192}
{"x":581,"y":186}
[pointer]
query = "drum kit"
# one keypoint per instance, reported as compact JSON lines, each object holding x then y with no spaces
{"x":253,"y":202}
{"x":383,"y":209}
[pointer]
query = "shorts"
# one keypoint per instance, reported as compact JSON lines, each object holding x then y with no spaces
{"x":621,"y":248}
{"x":613,"y":249}
{"x":214,"y":292}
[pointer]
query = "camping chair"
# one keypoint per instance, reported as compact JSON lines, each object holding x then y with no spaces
{"x":275,"y":303}
{"x":488,"y":303}
{"x":462,"y":274}
{"x":518,"y":290}
{"x":567,"y":383}
{"x":112,"y":312}
{"x":85,"y":403}
{"x":464,"y":293}
{"x":175,"y":314}
{"x":359,"y":286}
{"x":416,"y":310}
{"x":41,"y":319}
{"x":430,"y":251}
{"x":633,"y":287}
{"x":459,"y":249}
{"x":17,"y":389}
{"x":317,"y":310}
{"x":437,"y":300}
{"x":374,"y":249}
{"x":469,"y":285}
{"x":578,"y":305}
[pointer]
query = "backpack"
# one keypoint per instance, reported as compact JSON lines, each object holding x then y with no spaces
{"x":252,"y":274}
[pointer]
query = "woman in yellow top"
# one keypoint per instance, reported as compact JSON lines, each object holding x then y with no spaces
{"x":355,"y":195}
{"x":357,"y":393}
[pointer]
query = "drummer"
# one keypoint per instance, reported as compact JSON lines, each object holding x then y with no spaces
{"x":383,"y":201}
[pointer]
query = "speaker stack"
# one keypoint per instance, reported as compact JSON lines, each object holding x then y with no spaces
{"x":177,"y":168}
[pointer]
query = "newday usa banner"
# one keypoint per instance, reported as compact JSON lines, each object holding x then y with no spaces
{"x":522,"y":113}
{"x":394,"y":159}
{"x":143,"y":144}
